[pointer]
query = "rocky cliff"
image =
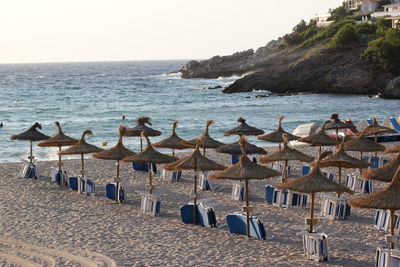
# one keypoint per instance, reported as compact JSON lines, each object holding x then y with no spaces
{"x":316,"y":70}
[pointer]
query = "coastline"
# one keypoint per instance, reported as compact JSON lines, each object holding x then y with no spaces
{"x":100,"y":232}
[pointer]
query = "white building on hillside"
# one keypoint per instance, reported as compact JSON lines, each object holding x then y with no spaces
{"x":368,"y":6}
{"x":322,"y":20}
{"x":392,"y":10}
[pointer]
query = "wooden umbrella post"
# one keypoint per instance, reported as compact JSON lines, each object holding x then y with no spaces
{"x":173,"y":152}
{"x":340,"y":180}
{"x":320,"y":151}
{"x":204,"y":151}
{"x":376,"y":140}
{"x":247,"y":208}
{"x":117,"y":183}
{"x":59,"y":158}
{"x":361,"y":158}
{"x":195,"y":193}
{"x":312,"y":212}
{"x":150,"y":180}
{"x":286,"y":171}
{"x":141,"y":144}
{"x":391,"y":245}
{"x":279,"y":146}
{"x":30,"y":157}
{"x":83,"y":166}
{"x":337,"y":134}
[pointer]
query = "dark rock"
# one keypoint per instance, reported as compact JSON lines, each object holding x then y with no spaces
{"x":215,"y":87}
{"x":393,"y":89}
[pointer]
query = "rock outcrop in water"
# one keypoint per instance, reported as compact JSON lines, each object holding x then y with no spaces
{"x":393,"y":89}
{"x":316,"y":70}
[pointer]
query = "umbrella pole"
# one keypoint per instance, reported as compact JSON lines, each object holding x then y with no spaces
{"x":337,"y":134}
{"x":247,"y":208}
{"x":279,"y":146}
{"x":30,"y":158}
{"x":340,"y":180}
{"x":312,"y":212}
{"x":141,"y":144}
{"x":83,"y":166}
{"x":320,"y":151}
{"x":376,"y":140}
{"x":117,"y":183}
{"x":195,"y":193}
{"x":204,"y":151}
{"x":391,"y":245}
{"x":150,"y":180}
{"x":173,"y":152}
{"x":59,"y":158}
{"x":285,"y":172}
{"x":361,"y":158}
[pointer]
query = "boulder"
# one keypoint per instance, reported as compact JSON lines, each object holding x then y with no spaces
{"x":393,"y":89}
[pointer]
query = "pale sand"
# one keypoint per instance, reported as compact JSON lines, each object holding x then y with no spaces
{"x":42,"y":224}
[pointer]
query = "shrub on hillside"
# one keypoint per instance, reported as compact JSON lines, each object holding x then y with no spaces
{"x":346,"y":37}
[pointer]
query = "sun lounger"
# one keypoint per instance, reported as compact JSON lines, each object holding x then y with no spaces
{"x":59,"y":177}
{"x":386,"y":257}
{"x":111,"y":194}
{"x":305,"y":169}
{"x":315,"y":246}
{"x":237,"y":225}
{"x":354,"y":182}
{"x":235,"y":159}
{"x":206,"y":184}
{"x":73,"y":183}
{"x":381,"y":220}
{"x":284,"y":198}
{"x":87,"y":187}
{"x":29,"y":170}
{"x":329,"y":175}
{"x":144,"y":167}
{"x":205,"y":215}
{"x":335,"y":208}
{"x":172,"y":176}
{"x":150,"y":205}
{"x":394,"y":123}
{"x":238,"y":192}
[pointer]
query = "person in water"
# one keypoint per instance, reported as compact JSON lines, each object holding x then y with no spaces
{"x":123,"y":117}
{"x":1,"y":125}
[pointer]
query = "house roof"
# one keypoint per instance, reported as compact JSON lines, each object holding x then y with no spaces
{"x":393,"y":5}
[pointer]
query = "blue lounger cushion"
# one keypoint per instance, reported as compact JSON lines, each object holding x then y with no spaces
{"x":305,"y":169}
{"x":205,"y":215}
{"x":144,"y":167}
{"x":110,"y":192}
{"x":235,"y":159}
{"x":58,"y":177}
{"x":269,"y":194}
{"x":73,"y":183}
{"x":237,"y":225}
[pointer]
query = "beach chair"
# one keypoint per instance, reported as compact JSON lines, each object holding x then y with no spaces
{"x":269,"y":194}
{"x":144,"y":167}
{"x":235,"y":159}
{"x":381,"y":221}
{"x":370,"y":121}
{"x":237,"y":225}
{"x":172,"y":176}
{"x":29,"y":170}
{"x":305,"y":169}
{"x":386,"y":257}
{"x":87,"y":187}
{"x":335,"y":208}
{"x":238,"y":192}
{"x":374,"y":162}
{"x":394,"y":123}
{"x":150,"y":205}
{"x":315,"y":246}
{"x":205,"y":215}
{"x":59,"y":177}
{"x":206,"y":184}
{"x":112,"y":194}
{"x":73,"y":183}
{"x":284,"y":198}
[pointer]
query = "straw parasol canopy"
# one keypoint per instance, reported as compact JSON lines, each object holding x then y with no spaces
{"x":81,"y":148}
{"x":320,"y":138}
{"x":375,"y":129}
{"x":334,"y":123}
{"x":285,"y":154}
{"x":142,"y":127}
{"x":388,"y":198}
{"x":59,"y":140}
{"x":362,"y":144}
{"x":234,"y":149}
{"x":393,"y":149}
{"x":243,"y":129}
{"x":197,"y":162}
{"x":31,"y":135}
{"x":341,"y":160}
{"x":312,"y":183}
{"x":205,"y":141}
{"x":276,"y":136}
{"x":246,"y":170}
{"x":173,"y":142}
{"x":384,"y":173}
{"x":150,"y":155}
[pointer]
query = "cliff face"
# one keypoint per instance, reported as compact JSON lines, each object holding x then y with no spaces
{"x":316,"y":70}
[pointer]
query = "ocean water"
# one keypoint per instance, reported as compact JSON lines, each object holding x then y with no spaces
{"x":96,"y":95}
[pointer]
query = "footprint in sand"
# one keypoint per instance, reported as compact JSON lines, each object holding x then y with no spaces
{"x":18,"y":253}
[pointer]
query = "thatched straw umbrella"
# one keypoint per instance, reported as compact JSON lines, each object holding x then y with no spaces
{"x":243,"y":129}
{"x":386,"y":199}
{"x":276,"y":136}
{"x":285,"y":154}
{"x":312,"y":183}
{"x":31,"y":135}
{"x":141,"y":127}
{"x":173,"y":142}
{"x":205,"y":141}
{"x":59,"y":140}
{"x":81,"y":148}
{"x":195,"y":161}
{"x":234,"y":149}
{"x":384,"y":173}
{"x":341,"y":160}
{"x":150,"y":155}
{"x":245,"y":170}
{"x":334,"y":123}
{"x":118,"y":152}
{"x":375,"y":129}
{"x":393,"y":149}
{"x":320,"y":138}
{"x":362,"y":144}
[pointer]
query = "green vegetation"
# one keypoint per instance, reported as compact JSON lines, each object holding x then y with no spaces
{"x":381,"y":41}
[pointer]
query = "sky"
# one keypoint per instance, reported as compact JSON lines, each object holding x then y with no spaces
{"x":114,"y":30}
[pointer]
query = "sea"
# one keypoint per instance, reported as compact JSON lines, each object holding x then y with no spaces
{"x":96,"y":95}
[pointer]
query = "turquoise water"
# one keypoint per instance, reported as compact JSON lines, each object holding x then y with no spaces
{"x":97,"y":95}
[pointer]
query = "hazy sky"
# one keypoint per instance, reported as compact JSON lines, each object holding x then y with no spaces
{"x":96,"y":30}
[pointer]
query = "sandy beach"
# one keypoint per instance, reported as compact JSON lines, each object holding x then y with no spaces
{"x":42,"y":224}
